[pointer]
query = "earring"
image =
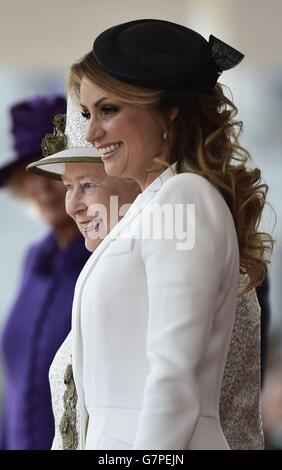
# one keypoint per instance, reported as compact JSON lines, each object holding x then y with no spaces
{"x":165,"y":135}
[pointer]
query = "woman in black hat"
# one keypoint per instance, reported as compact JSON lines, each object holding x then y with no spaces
{"x":149,"y":353}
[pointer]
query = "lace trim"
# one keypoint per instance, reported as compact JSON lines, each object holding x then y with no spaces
{"x":68,"y":421}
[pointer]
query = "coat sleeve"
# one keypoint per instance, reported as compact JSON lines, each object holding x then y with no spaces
{"x":183,"y":286}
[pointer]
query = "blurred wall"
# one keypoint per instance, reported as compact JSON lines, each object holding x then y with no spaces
{"x":51,"y":33}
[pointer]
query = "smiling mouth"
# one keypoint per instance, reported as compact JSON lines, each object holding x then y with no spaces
{"x":109,"y":150}
{"x":92,"y":225}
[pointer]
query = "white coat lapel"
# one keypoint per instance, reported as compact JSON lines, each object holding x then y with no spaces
{"x":77,"y":346}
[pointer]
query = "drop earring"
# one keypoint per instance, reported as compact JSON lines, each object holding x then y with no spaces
{"x":165,"y":135}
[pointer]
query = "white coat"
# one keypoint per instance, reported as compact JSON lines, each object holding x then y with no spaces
{"x":152,"y":325}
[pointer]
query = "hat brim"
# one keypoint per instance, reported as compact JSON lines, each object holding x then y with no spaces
{"x":54,"y":166}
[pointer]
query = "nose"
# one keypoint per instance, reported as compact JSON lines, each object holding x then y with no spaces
{"x":75,"y":203}
{"x":94,"y":131}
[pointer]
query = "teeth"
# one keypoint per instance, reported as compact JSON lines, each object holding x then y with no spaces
{"x":108,"y":149}
{"x":92,"y":225}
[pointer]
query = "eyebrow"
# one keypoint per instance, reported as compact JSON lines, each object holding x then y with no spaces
{"x":83,"y":176}
{"x":97,"y":102}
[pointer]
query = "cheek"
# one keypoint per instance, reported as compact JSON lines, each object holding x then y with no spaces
{"x":117,"y":125}
{"x":68,"y":207}
{"x":150,"y":134}
{"x":101,"y":197}
{"x":143,"y":134}
{"x":116,"y":191}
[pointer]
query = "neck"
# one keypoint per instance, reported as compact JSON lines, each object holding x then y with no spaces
{"x":151,"y":174}
{"x":65,"y":233}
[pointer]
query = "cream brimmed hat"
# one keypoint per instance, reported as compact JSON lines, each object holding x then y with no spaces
{"x":67,"y":144}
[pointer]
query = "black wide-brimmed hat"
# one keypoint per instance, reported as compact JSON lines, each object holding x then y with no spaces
{"x":160,"y":54}
{"x":31,"y":120}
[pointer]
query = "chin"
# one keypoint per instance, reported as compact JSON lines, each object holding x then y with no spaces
{"x":110,"y":169}
{"x":91,"y":245}
{"x":113,"y":169}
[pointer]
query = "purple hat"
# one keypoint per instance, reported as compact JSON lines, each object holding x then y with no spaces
{"x":31,"y":120}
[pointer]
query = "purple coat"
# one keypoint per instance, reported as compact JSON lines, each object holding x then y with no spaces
{"x":37,"y":325}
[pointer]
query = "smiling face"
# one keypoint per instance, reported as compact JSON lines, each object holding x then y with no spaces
{"x":95,"y":200}
{"x":128,"y":137}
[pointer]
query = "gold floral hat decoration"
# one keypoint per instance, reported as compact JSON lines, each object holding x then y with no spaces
{"x":65,"y":145}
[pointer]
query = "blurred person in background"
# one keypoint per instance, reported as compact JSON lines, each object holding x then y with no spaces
{"x":40,"y":317}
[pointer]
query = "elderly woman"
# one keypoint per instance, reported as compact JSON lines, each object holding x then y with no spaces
{"x":95,"y":201}
{"x":149,"y":353}
{"x":40,"y":316}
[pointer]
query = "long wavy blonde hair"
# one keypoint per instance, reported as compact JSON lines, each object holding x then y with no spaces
{"x":204,"y":140}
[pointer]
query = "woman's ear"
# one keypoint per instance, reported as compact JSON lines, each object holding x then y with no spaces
{"x":173,"y":112}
